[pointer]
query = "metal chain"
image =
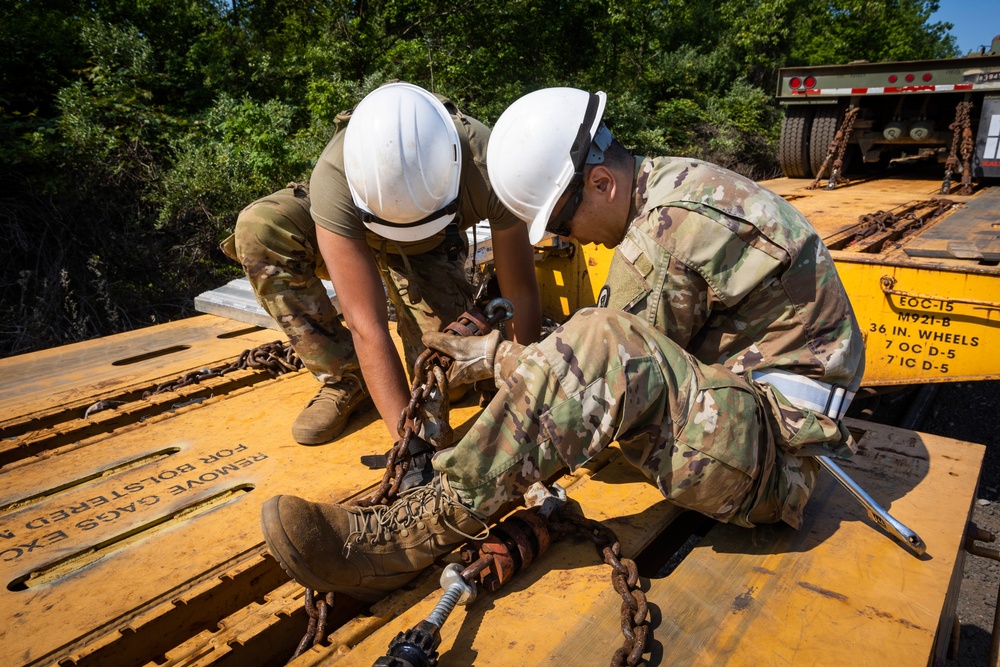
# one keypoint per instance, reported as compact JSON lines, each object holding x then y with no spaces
{"x":624,"y":579}
{"x":429,"y":375}
{"x":277,"y":358}
{"x":837,"y":147}
{"x":961,"y":127}
{"x":318,"y":612}
{"x":907,"y":218}
{"x":967,"y":148}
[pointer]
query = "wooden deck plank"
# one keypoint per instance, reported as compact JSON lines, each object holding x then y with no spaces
{"x":832,"y":212}
{"x":743,"y":597}
{"x":119,"y":523}
{"x":47,"y":379}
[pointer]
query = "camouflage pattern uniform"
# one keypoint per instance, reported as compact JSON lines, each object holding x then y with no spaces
{"x":716,"y":277}
{"x":275,"y":241}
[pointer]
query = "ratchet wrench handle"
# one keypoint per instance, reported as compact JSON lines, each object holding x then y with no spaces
{"x":877,"y":513}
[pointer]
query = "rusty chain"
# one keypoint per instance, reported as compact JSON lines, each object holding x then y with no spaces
{"x":961,"y":142}
{"x":277,"y":358}
{"x":836,"y":148}
{"x":318,"y":612}
{"x":847,"y":128}
{"x":428,"y":376}
{"x":624,"y":579}
{"x":907,"y":218}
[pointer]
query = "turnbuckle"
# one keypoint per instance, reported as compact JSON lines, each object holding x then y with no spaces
{"x":512,"y":545}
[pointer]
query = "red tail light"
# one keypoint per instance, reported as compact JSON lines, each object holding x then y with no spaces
{"x":927,"y":77}
{"x":810,"y":82}
{"x":795,"y":82}
{"x":893,"y":78}
{"x":909,"y":78}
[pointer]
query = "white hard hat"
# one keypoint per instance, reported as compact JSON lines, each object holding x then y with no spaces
{"x":403,"y":160}
{"x":540,"y":145}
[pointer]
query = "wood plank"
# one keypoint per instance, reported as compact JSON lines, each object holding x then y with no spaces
{"x":833,"y":212}
{"x":836,"y":592}
{"x":48,"y":379}
{"x":143,"y":538}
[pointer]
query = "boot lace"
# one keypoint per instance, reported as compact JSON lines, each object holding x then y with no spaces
{"x":414,"y":507}
{"x":338,"y":392}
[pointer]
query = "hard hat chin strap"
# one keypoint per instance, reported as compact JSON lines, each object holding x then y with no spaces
{"x":368,"y":217}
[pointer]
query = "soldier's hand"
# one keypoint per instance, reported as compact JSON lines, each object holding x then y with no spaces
{"x":473,"y":355}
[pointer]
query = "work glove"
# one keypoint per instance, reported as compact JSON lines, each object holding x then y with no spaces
{"x":475,"y":357}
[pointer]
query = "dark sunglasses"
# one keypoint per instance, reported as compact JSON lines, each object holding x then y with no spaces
{"x":578,"y":156}
{"x":558,"y":224}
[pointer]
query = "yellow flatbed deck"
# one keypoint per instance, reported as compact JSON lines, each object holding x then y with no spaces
{"x":928,"y":300}
{"x":131,"y":536}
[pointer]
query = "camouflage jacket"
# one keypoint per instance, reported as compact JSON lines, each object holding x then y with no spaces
{"x":737,"y":276}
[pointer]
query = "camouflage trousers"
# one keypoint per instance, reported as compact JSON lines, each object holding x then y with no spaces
{"x":699,"y":432}
{"x":275,"y":241}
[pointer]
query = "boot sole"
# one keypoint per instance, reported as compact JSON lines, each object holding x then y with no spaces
{"x":291,"y":560}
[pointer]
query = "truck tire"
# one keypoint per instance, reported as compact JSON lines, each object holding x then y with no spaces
{"x":793,"y":149}
{"x":824,"y":128}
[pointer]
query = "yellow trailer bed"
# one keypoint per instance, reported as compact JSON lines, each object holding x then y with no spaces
{"x":130,"y":536}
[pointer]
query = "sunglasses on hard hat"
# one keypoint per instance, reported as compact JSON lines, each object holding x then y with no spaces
{"x":578,"y":157}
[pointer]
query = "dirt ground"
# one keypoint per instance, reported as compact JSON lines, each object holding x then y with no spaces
{"x":969,"y":411}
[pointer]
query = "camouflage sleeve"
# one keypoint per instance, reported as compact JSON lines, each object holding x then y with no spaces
{"x":687,"y":301}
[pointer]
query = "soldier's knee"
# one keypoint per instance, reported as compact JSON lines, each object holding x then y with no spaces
{"x":249,"y":232}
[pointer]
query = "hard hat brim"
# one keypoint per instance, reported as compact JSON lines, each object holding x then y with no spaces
{"x":536,"y":230}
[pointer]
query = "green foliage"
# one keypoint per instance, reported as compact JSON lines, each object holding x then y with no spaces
{"x":227,"y":160}
{"x":133,"y":131}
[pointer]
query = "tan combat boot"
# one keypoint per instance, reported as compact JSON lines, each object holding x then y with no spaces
{"x":367,"y":552}
{"x":325,"y":416}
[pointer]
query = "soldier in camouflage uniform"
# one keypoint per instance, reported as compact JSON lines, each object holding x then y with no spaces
{"x":355,"y":225}
{"x":721,"y":324}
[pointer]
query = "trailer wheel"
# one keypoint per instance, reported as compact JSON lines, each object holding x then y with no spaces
{"x":824,"y":129}
{"x":793,"y":150}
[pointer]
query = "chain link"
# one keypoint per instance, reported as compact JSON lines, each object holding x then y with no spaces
{"x":961,"y":141}
{"x":429,"y":375}
{"x":277,"y":358}
{"x":319,"y":613}
{"x":907,"y":219}
{"x":624,"y":579}
{"x":836,"y":148}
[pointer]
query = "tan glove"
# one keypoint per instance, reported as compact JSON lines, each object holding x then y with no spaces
{"x":473,"y":355}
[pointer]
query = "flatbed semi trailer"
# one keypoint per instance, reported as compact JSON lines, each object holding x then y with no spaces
{"x":946,"y":108}
{"x":130,"y":501}
{"x":130,"y":536}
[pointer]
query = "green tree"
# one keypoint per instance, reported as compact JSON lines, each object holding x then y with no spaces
{"x":133,"y":131}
